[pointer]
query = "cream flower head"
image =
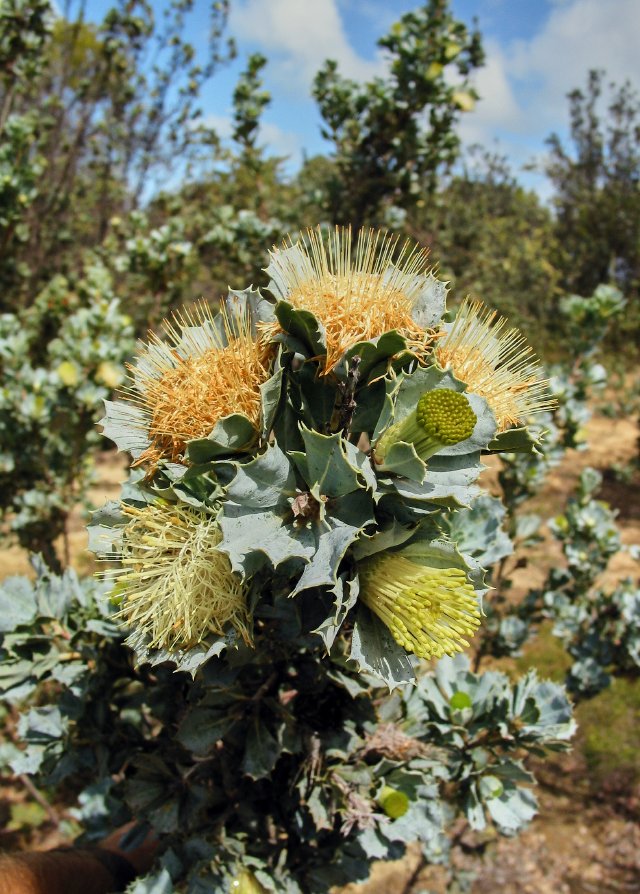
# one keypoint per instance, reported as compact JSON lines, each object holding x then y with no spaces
{"x":429,"y":611}
{"x":208,"y":368}
{"x":496,"y":364}
{"x":176,"y":586}
{"x":357,"y":292}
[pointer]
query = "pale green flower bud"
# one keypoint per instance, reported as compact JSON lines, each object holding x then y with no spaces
{"x":394,"y":803}
{"x":441,"y":418}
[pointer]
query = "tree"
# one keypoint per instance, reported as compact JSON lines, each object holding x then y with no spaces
{"x":109,"y":109}
{"x":493,"y":239}
{"x":394,"y":134}
{"x":597,"y":189}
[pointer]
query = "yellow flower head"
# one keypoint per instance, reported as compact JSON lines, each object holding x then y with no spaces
{"x":176,"y":585}
{"x":358,"y":292}
{"x":428,"y":610}
{"x":187,"y":384}
{"x":498,"y":365}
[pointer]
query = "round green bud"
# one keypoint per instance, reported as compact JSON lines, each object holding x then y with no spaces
{"x":446,"y":416}
{"x":245,"y":882}
{"x":394,"y":803}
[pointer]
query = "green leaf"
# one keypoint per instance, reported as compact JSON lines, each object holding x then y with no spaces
{"x":401,"y":459}
{"x":262,"y":750}
{"x":450,"y":481}
{"x":329,"y":470}
{"x":186,"y":660}
{"x":373,"y":352}
{"x":513,"y":809}
{"x":478,"y":531}
{"x":258,"y":501}
{"x":270,"y":398}
{"x":231,"y":434}
{"x":516,"y":440}
{"x":126,"y":425}
{"x":490,"y":787}
{"x":249,"y":303}
{"x":316,"y":396}
{"x":390,"y":536}
{"x":346,"y":595}
{"x":345,"y":518}
{"x":376,"y":652}
{"x":202,"y":727}
{"x":302,"y":325}
{"x":156,"y":883}
{"x":17,"y":603}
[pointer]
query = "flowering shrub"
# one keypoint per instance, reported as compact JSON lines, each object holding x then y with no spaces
{"x":58,"y":361}
{"x":289,"y":548}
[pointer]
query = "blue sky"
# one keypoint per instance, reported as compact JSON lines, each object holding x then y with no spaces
{"x":537,"y":50}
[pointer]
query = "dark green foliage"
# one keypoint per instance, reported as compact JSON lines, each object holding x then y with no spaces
{"x":58,"y":362}
{"x":596,"y":183}
{"x":394,"y":135}
{"x":287,"y":753}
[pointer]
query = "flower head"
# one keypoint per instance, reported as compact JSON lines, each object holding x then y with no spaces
{"x":176,"y":586}
{"x":428,"y":610}
{"x":357,"y":293}
{"x":442,"y":417}
{"x":496,"y":364}
{"x":202,"y":373}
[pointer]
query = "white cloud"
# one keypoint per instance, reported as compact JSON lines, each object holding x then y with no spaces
{"x":524,"y":83}
{"x":497,"y":108}
{"x":297,"y":36}
{"x":577,"y":36}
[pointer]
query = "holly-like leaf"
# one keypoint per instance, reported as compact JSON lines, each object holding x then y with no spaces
{"x":270,"y":398}
{"x":201,"y":728}
{"x":478,"y":531}
{"x":304,"y":327}
{"x":516,"y":440}
{"x":262,"y":750}
{"x":513,"y":809}
{"x":126,"y":425}
{"x":231,"y":434}
{"x":376,"y":652}
{"x":188,"y":661}
{"x":257,"y":522}
{"x":401,"y":459}
{"x":343,"y":521}
{"x":346,"y":595}
{"x":249,"y":304}
{"x":17,"y":603}
{"x":431,"y":302}
{"x":372,"y":353}
{"x":328,"y":469}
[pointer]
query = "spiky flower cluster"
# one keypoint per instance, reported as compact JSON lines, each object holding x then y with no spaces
{"x":429,"y":611}
{"x":207,"y":369}
{"x":176,"y":585}
{"x":496,"y":364}
{"x":246,"y":415}
{"x":356,"y":291}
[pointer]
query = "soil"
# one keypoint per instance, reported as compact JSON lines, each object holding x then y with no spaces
{"x":586,"y":838}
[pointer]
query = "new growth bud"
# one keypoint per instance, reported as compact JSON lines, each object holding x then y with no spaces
{"x":441,"y":418}
{"x":394,"y":802}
